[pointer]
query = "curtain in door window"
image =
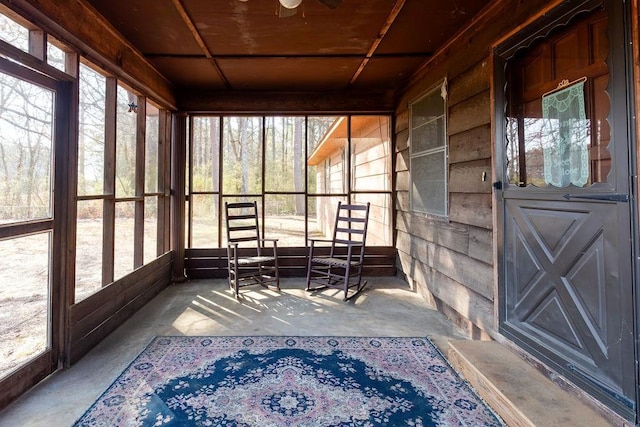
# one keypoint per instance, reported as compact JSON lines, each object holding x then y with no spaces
{"x":565,"y":151}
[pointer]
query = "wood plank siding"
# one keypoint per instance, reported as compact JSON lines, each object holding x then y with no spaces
{"x":451,"y":260}
{"x":371,"y":167}
{"x":92,"y":319}
{"x":292,"y":261}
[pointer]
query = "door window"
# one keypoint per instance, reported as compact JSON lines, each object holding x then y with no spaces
{"x":557,"y":129}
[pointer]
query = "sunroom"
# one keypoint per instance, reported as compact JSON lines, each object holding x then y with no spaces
{"x":125,"y":127}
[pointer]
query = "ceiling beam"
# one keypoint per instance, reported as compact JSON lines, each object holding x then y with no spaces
{"x":196,"y":35}
{"x":395,"y":11}
{"x":400,"y":55}
{"x":81,"y":27}
{"x":252,"y":102}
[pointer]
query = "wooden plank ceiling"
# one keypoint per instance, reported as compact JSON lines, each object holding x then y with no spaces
{"x":229,"y":46}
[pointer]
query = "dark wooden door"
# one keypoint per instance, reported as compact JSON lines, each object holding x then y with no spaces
{"x":566,"y":288}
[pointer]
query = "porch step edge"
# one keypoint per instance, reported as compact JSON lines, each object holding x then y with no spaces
{"x":515,"y":390}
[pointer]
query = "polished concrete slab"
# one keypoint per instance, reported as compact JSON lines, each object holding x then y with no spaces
{"x":387,"y":307}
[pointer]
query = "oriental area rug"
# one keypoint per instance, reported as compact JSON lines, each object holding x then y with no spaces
{"x":289,"y":381}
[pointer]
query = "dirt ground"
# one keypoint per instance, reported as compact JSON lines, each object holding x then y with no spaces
{"x":23,"y":299}
{"x":24,"y":281}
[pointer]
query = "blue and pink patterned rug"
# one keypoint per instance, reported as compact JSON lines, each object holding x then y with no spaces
{"x":289,"y":381}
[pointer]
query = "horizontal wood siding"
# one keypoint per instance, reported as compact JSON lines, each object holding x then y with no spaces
{"x":292,"y":262}
{"x":97,"y":316}
{"x":26,"y":377}
{"x":451,"y":259}
{"x":371,"y":166}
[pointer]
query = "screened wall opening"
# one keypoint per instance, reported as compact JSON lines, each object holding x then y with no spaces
{"x":296,"y":167}
{"x":119,"y":190}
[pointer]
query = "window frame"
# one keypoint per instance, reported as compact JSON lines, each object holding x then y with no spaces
{"x":138,"y":197}
{"x":347,"y":192}
{"x":439,"y":90}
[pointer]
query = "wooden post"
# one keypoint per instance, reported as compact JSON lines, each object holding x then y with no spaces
{"x":109,"y":204}
{"x":178,"y":198}
{"x":164,"y":182}
{"x":141,"y":124}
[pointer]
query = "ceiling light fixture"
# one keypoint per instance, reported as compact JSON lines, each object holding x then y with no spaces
{"x":290,"y":4}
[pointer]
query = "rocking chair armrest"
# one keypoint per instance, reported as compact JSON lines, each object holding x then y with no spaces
{"x":274,"y":242}
{"x":320,"y":240}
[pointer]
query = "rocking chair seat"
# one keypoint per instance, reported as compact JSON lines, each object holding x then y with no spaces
{"x":338,"y":262}
{"x":253,"y":260}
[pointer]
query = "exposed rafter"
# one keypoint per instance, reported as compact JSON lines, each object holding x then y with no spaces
{"x":383,"y":31}
{"x":295,"y":56}
{"x":196,"y":35}
{"x":79,"y":25}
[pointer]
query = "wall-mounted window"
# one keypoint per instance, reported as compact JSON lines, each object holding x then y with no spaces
{"x":428,"y":153}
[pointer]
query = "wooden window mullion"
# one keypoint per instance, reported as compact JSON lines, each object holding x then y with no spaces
{"x":164,"y":183}
{"x":38,"y":44}
{"x":138,"y":238}
{"x":109,"y":207}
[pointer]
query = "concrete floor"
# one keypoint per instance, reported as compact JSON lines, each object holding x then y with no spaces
{"x":387,"y":307}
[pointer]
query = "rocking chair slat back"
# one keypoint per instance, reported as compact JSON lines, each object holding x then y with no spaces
{"x":249,"y":267}
{"x":342,"y":271}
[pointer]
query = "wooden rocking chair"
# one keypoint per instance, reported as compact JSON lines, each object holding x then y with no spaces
{"x":250,"y":261}
{"x":342,"y":268}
